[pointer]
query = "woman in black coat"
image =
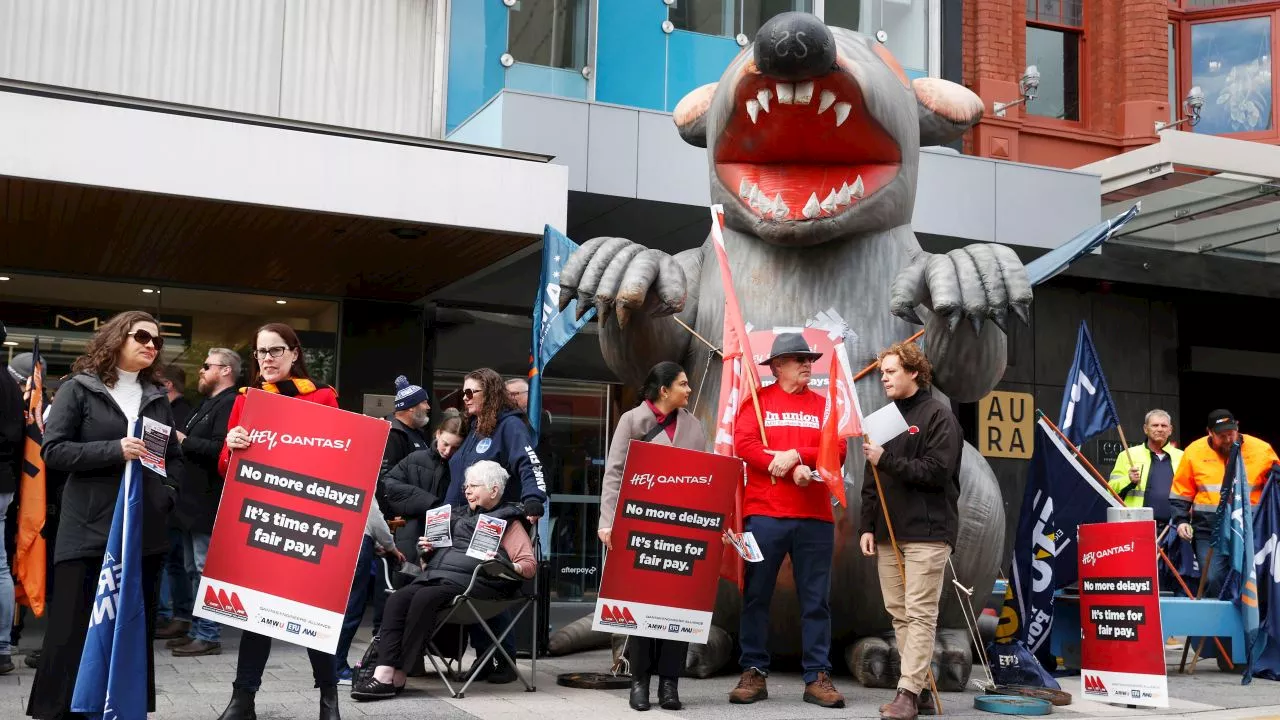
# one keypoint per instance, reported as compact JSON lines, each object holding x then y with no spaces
{"x":418,"y":483}
{"x":89,"y":435}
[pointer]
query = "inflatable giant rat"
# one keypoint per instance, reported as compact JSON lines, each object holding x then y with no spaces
{"x":813,"y":136}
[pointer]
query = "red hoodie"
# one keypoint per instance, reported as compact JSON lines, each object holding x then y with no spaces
{"x":791,"y":422}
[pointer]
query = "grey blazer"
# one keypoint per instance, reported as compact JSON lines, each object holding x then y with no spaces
{"x":633,"y":425}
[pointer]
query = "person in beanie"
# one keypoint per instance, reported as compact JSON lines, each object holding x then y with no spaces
{"x":411,"y":416}
{"x":920,"y":473}
{"x":789,"y":514}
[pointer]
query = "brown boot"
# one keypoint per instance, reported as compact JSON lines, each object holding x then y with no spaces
{"x":822,"y":693}
{"x":172,"y":629}
{"x":751,"y":688}
{"x":903,"y":707}
{"x":924,"y":704}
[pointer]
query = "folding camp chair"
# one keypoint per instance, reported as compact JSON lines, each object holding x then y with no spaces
{"x":466,"y":609}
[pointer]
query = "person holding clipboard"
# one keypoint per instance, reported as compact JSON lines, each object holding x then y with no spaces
{"x":661,"y":418}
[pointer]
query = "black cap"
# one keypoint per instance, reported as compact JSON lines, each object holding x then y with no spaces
{"x":790,"y":344}
{"x":1221,"y":420}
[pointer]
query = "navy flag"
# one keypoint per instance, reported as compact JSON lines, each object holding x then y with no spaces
{"x":1266,"y":538}
{"x":1087,"y":407}
{"x":1060,"y":495}
{"x":112,"y":682}
{"x":1061,"y":257}
{"x":1234,"y":540}
{"x":552,"y":327}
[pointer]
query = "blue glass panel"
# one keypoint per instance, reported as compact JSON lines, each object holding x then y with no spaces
{"x":483,"y":127}
{"x":477,"y":38}
{"x":547,"y":80}
{"x":1231,"y":62}
{"x":631,"y":53}
{"x":695,"y":60}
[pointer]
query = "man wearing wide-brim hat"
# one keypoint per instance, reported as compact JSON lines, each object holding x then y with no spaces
{"x":789,"y":514}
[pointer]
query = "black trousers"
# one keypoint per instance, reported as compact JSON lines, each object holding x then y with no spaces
{"x":255,"y":650}
{"x":650,"y":656}
{"x":69,"y":610}
{"x":408,"y":620}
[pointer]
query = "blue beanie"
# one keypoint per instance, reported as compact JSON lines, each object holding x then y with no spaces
{"x":408,"y":395}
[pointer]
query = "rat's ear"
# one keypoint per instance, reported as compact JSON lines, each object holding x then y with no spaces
{"x":690,"y":114}
{"x":945,"y":110}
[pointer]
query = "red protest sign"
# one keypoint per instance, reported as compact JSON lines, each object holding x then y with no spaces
{"x":291,"y":520}
{"x":660,"y":577}
{"x":1122,"y":648}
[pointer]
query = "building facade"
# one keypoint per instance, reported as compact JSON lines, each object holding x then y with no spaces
{"x":378,"y":174}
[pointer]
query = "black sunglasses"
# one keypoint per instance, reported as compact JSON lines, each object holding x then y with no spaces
{"x":468,"y":393}
{"x":206,"y":366}
{"x":143,"y":337}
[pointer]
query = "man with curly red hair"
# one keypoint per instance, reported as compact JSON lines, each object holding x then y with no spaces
{"x":920,"y":475}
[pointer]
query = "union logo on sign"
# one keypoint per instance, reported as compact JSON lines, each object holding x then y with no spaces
{"x":219,"y":602}
{"x":1093,"y":685}
{"x":617,"y":617}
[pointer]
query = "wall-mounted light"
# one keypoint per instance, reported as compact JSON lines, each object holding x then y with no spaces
{"x":1192,"y":104}
{"x":1028,"y":85}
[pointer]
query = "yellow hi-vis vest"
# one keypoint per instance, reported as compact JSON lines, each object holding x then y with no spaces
{"x":1142,"y":457}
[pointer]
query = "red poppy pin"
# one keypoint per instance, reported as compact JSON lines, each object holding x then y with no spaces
{"x":913,"y":429}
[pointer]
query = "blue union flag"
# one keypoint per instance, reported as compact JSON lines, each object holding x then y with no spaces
{"x":112,"y":681}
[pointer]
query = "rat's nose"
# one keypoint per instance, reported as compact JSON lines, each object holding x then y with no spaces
{"x":795,"y":46}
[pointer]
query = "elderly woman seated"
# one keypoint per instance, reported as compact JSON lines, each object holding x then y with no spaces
{"x":411,"y":612}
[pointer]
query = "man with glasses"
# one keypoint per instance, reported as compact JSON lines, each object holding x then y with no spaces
{"x":201,"y":440}
{"x":788,"y":513}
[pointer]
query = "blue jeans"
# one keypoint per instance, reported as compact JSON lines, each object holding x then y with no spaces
{"x":810,"y":543}
{"x":355,"y":604}
{"x":195,"y":551}
{"x":6,"y":583}
{"x":177,"y":595}
{"x":1217,"y":568}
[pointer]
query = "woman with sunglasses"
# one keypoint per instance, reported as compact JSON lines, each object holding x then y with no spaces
{"x":279,"y":367}
{"x":91,"y":436}
{"x":660,"y":418}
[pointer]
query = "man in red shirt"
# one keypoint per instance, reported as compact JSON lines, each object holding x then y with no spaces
{"x":788,"y":513}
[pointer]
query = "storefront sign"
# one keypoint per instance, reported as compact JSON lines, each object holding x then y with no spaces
{"x":291,"y":520}
{"x":1111,"y":450}
{"x":86,"y":320}
{"x":660,"y":577}
{"x":1005,"y":424}
{"x":1122,"y":648}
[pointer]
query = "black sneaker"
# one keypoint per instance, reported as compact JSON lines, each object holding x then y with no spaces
{"x":373,"y":690}
{"x":32,"y":660}
{"x":6,"y":664}
{"x":503,"y":672}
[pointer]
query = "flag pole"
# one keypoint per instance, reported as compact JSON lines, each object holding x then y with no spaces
{"x":694,"y":333}
{"x":1076,"y":451}
{"x":876,"y":363}
{"x":1125,"y":442}
{"x":902,"y":570}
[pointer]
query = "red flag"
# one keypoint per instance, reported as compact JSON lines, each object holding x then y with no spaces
{"x":737,"y":376}
{"x":843,"y":420}
{"x":29,"y":559}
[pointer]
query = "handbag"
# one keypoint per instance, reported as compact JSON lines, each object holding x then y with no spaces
{"x":656,"y":430}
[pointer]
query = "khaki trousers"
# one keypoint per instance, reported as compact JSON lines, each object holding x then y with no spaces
{"x":913,"y":607}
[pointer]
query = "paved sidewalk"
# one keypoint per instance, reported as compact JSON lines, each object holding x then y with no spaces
{"x":198,"y":689}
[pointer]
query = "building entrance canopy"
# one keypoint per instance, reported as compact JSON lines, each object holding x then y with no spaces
{"x":119,"y":188}
{"x":1202,"y":194}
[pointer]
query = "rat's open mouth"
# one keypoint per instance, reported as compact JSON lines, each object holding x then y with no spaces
{"x":805,"y":150}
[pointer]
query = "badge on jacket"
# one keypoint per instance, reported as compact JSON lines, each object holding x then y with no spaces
{"x":483,"y":446}
{"x":913,"y":429}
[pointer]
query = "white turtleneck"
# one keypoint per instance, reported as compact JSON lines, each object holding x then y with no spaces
{"x":128,"y":394}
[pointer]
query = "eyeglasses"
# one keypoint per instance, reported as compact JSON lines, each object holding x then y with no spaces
{"x":468,"y":393}
{"x":474,"y":486}
{"x":276,"y":352}
{"x":206,"y":366}
{"x":142,"y":337}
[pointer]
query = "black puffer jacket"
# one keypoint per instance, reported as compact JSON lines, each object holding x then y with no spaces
{"x":453,"y":565}
{"x":82,"y":438}
{"x":415,"y":485}
{"x":12,"y":431}
{"x":920,"y":472}
{"x":206,"y":432}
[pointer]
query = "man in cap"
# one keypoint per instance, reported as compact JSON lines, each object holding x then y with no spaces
{"x":788,"y":513}
{"x":1198,"y":480}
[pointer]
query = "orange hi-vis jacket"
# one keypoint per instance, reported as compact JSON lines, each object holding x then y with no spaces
{"x":1197,"y":483}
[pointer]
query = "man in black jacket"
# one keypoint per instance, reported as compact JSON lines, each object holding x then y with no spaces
{"x":920,"y":473}
{"x":202,"y":437}
{"x":413,"y":411}
{"x":12,"y":429}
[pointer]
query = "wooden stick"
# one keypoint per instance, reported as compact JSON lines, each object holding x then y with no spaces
{"x":876,"y":363}
{"x":1204,"y":578}
{"x":902,"y":572}
{"x":694,"y":333}
{"x":1125,"y":443}
{"x":1165,"y":557}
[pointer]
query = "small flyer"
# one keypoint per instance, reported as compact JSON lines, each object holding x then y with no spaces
{"x":437,"y":532}
{"x":487,"y":537}
{"x":746,"y":546}
{"x":155,"y":435}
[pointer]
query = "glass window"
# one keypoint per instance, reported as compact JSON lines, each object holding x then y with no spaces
{"x":905,"y":21}
{"x":1056,"y":54}
{"x":552,"y":33}
{"x":1201,"y":4}
{"x":1175,"y":104}
{"x":730,"y":17}
{"x":1231,"y":62}
{"x":1056,"y":12}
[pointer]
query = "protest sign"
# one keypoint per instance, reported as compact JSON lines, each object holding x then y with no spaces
{"x":1122,"y":648}
{"x":660,"y":577}
{"x":291,"y":520}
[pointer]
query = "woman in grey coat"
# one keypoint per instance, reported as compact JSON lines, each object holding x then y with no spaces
{"x":661,"y":418}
